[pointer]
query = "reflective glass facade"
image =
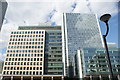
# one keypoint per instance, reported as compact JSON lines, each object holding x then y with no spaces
{"x":53,"y":52}
{"x":94,"y":62}
{"x":3,"y":7}
{"x":80,"y":31}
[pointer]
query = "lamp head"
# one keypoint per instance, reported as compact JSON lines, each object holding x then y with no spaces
{"x":105,"y":18}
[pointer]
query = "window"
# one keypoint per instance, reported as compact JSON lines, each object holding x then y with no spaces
{"x":24,"y":72}
{"x":20,"y":72}
{"x":40,"y":59}
{"x":33,"y":68}
{"x":24,"y":63}
{"x":4,"y":68}
{"x":6,"y":59}
{"x":34,"y":59}
{"x":11,"y":68}
{"x":12,"y":63}
{"x":36,"y":73}
{"x":41,"y":50}
{"x":27,"y":68}
{"x":27,"y":73}
{"x":5,"y":63}
{"x":40,"y":68}
{"x":33,"y":73}
{"x":37,"y":63}
{"x":40,"y":63}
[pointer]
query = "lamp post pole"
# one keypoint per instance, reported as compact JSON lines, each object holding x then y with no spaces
{"x":105,"y":19}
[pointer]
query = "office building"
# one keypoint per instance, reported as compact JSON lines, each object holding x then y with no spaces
{"x":34,"y":52}
{"x":91,"y":64}
{"x":3,"y":7}
{"x":79,"y":31}
{"x":1,"y":67}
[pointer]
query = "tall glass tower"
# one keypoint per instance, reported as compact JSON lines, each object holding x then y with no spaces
{"x":79,"y":31}
{"x":3,"y":7}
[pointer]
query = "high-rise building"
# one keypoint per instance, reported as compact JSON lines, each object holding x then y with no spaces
{"x":91,"y":64}
{"x":1,"y":67}
{"x":34,"y":52}
{"x":3,"y":7}
{"x":79,"y":31}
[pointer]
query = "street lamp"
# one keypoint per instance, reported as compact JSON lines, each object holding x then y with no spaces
{"x":105,"y":18}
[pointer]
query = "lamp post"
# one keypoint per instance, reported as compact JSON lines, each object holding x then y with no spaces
{"x":105,"y":18}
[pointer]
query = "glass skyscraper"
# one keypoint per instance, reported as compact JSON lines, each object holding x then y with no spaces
{"x":79,"y":31}
{"x":3,"y":7}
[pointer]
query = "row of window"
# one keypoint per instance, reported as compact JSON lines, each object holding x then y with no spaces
{"x":55,"y":36}
{"x":102,"y":70}
{"x":17,"y":47}
{"x":22,"y":39}
{"x":23,"y":59}
{"x":54,"y":44}
{"x":54,"y":73}
{"x":25,"y":43}
{"x":22,"y":55}
{"x":28,"y":32}
{"x":103,"y":66}
{"x":54,"y":33}
{"x":56,"y":47}
{"x":54,"y":56}
{"x":102,"y":61}
{"x":21,"y":73}
{"x":55,"y":40}
{"x":22,"y":68}
{"x":109,"y":52}
{"x":54,"y":60}
{"x":55,"y":68}
{"x":25,"y":51}
{"x":56,"y":51}
{"x":23,"y":63}
{"x":55,"y":64}
{"x":26,"y":36}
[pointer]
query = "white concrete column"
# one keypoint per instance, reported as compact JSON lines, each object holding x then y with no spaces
{"x":118,"y":76}
{"x":109,"y":77}
{"x":90,"y":77}
{"x":52,"y":77}
{"x":41,"y":78}
{"x":62,"y":78}
{"x":21,"y":77}
{"x":32,"y":78}
{"x":1,"y":77}
{"x":11,"y":77}
{"x":100,"y":76}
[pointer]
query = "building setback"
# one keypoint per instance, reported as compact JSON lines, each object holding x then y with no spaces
{"x":34,"y":52}
{"x":91,"y":64}
{"x":3,"y":7}
{"x":79,"y":31}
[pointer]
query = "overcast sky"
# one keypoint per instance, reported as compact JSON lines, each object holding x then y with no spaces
{"x":34,"y":12}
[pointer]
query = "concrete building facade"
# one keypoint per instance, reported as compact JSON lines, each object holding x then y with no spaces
{"x":34,"y":52}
